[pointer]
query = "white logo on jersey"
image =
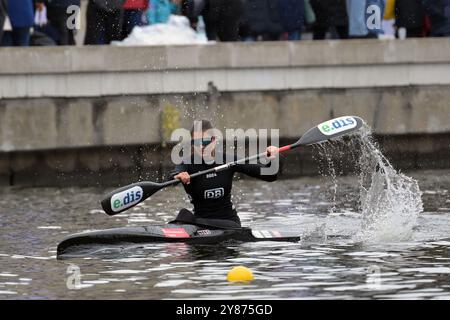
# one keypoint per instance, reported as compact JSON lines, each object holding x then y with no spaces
{"x":214,"y":193}
{"x":211,"y":175}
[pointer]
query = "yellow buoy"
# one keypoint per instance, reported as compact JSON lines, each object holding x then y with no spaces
{"x":240,"y":273}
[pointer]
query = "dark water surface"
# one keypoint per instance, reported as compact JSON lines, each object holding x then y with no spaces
{"x":327,"y":264}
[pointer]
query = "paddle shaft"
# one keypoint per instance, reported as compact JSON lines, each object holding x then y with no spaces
{"x":126,"y":197}
{"x":138,"y":192}
{"x":227,"y":165}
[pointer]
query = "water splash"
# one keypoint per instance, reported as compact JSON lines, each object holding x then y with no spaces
{"x":389,"y":201}
{"x":327,"y":153}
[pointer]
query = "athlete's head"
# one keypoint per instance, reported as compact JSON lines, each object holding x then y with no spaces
{"x":203,"y":140}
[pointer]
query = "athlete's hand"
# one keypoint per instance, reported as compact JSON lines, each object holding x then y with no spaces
{"x":271,"y":152}
{"x":183,"y":177}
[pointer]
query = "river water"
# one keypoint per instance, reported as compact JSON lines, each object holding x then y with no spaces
{"x":329,"y":263}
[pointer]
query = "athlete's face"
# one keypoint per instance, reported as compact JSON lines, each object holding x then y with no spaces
{"x":203,"y":143}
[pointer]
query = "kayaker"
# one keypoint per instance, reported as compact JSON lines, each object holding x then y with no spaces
{"x":211,"y":194}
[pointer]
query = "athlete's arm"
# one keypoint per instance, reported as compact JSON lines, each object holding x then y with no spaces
{"x":254,"y":170}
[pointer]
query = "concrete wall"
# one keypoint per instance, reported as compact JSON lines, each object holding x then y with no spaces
{"x":103,"y":114}
{"x":106,"y":71}
{"x":46,"y":124}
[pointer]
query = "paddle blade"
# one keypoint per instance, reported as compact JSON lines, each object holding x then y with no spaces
{"x":126,"y":197}
{"x":330,"y":129}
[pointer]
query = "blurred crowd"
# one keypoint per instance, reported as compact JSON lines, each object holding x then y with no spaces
{"x":45,"y":22}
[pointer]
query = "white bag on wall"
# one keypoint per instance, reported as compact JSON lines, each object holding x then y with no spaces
{"x":7,"y":25}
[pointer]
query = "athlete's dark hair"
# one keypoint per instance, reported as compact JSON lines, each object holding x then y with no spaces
{"x":205,"y":125}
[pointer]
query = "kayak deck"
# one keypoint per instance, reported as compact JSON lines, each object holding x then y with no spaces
{"x":169,"y":233}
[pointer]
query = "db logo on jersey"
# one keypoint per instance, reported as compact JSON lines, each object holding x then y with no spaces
{"x":214,"y":193}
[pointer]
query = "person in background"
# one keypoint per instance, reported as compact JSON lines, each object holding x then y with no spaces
{"x":310,"y":16}
{"x":103,"y":21}
{"x":329,"y":14}
{"x":357,"y":18}
{"x":3,"y":12}
{"x":222,"y":19}
{"x":292,"y":13}
{"x":192,"y":9}
{"x":262,"y":19}
{"x":57,"y":17}
{"x":388,"y":23}
{"x":438,"y":12}
{"x":159,"y":11}
{"x":409,"y":14}
{"x":133,"y":15}
{"x":21,"y":16}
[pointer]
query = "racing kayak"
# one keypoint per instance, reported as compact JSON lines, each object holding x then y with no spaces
{"x":169,"y":233}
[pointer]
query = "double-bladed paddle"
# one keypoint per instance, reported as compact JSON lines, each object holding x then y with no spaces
{"x":126,"y":197}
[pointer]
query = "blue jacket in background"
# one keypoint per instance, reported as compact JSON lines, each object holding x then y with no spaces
{"x":21,"y":13}
{"x":356,"y":10}
{"x":292,"y":14}
{"x":439,"y":13}
{"x":263,"y":16}
{"x":160,"y":11}
{"x":357,"y":16}
{"x":380,"y":4}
